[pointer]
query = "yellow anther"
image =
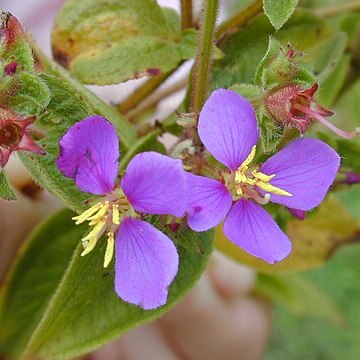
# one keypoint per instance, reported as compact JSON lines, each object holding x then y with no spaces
{"x":256,"y":178}
{"x":100,"y":214}
{"x":115,"y":214}
{"x":272,"y":189}
{"x":86,"y":214}
{"x":92,"y":237}
{"x":248,"y":160}
{"x":109,"y":249}
{"x":262,"y":177}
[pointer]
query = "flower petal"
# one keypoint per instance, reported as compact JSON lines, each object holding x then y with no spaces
{"x":250,"y":227}
{"x":145,"y":265}
{"x":155,"y":184}
{"x":305,"y":168}
{"x":208,"y":202}
{"x":228,"y":128}
{"x":89,"y":154}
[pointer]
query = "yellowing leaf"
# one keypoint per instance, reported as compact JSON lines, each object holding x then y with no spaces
{"x":109,"y":41}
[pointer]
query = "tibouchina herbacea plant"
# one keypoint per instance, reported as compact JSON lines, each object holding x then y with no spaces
{"x":298,"y":177}
{"x":146,"y":261}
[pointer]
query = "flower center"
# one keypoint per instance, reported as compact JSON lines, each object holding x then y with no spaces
{"x":245,"y":182}
{"x":10,"y":135}
{"x":105,"y":215}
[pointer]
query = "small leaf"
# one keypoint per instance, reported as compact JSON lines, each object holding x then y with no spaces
{"x":33,"y":278}
{"x":29,"y":94}
{"x":107,"y":42}
{"x":249,"y":91}
{"x":314,"y":240}
{"x":279,"y":11}
{"x":299,"y":296}
{"x":6,"y":191}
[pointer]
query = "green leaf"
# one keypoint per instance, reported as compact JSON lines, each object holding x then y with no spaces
{"x":245,"y":49}
{"x":33,"y":279}
{"x":6,"y":191}
{"x":70,"y":103}
{"x":29,"y":94}
{"x":279,"y":11}
{"x":299,"y":296}
{"x":146,"y":143}
{"x":249,"y":91}
{"x":57,"y":304}
{"x":107,"y":42}
{"x":314,"y":240}
{"x":79,"y":321}
{"x":333,"y":84}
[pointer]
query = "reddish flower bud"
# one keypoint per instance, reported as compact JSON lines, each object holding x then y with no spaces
{"x":351,"y":178}
{"x":14,"y":136}
{"x":10,"y":69}
{"x":10,"y":29}
{"x":294,"y":106}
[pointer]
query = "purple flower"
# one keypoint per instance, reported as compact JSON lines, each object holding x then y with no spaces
{"x":297,"y":177}
{"x":146,"y":261}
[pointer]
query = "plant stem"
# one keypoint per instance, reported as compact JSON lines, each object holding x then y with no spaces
{"x":142,"y":92}
{"x":154,"y":98}
{"x":239,"y":20}
{"x":336,"y":9}
{"x":186,"y":14}
{"x":203,"y":60}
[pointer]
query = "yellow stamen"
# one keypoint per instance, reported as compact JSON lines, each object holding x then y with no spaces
{"x":115,"y":214}
{"x":248,"y":160}
{"x":262,"y":177}
{"x":272,"y":189}
{"x":100,"y":214}
{"x":92,"y":237}
{"x":86,"y":214}
{"x":258,"y":179}
{"x":109,"y":249}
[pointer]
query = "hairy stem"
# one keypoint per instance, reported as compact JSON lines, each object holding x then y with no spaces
{"x":203,"y":60}
{"x":239,"y":20}
{"x":142,"y":92}
{"x":186,"y":14}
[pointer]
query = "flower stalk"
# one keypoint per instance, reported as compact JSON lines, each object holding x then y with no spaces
{"x":203,"y":60}
{"x":186,"y":14}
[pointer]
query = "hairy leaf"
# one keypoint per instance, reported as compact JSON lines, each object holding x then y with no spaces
{"x":279,"y":11}
{"x":6,"y":191}
{"x":107,"y":42}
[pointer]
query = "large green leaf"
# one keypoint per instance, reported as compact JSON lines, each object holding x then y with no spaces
{"x":109,"y":41}
{"x":279,"y":11}
{"x":59,"y":310}
{"x":321,"y":44}
{"x":32,"y":280}
{"x":70,"y":103}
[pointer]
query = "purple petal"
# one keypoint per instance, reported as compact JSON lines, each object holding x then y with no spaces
{"x":89,"y":154}
{"x":250,"y":227}
{"x":228,"y":128}
{"x":305,"y":168}
{"x":155,"y":184}
{"x":145,"y":265}
{"x":208,"y":202}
